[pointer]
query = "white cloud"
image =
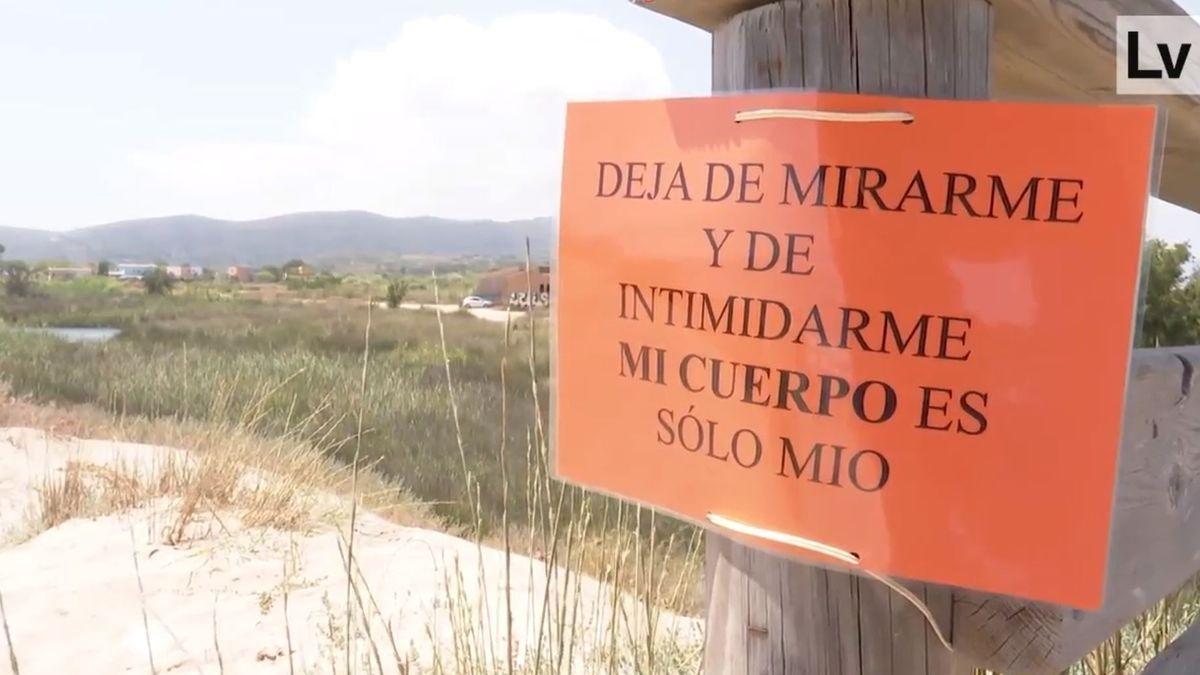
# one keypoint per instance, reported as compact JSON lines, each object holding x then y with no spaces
{"x":452,"y":118}
{"x":1173,"y":223}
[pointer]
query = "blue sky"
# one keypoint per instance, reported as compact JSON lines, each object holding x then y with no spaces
{"x":242,"y":109}
{"x":249,"y":108}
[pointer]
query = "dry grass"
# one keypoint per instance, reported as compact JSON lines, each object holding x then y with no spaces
{"x":286,"y":483}
{"x":289,"y":486}
{"x":646,"y":571}
{"x":617,"y":544}
{"x":623,"y":632}
{"x":285,"y":489}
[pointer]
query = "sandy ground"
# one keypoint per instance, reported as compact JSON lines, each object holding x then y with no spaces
{"x":109,"y":594}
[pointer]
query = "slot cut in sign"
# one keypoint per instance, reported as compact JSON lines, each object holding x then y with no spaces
{"x":906,"y":341}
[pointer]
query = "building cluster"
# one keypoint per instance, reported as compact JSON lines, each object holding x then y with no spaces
{"x":515,"y":287}
{"x":136,"y":271}
{"x":510,"y":286}
{"x":241,"y":273}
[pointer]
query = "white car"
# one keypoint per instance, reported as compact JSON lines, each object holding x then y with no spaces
{"x":475,"y":302}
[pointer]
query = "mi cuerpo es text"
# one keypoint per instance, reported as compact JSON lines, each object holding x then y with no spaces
{"x":868,"y":401}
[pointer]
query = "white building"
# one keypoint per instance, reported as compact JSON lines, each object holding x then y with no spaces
{"x":131,"y":271}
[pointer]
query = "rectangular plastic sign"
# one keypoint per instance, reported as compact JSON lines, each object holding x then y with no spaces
{"x":880,"y":332}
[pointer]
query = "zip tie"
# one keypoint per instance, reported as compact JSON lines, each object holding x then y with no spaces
{"x":848,"y":557}
{"x":821,"y":115}
{"x":790,"y":539}
{"x":916,"y":602}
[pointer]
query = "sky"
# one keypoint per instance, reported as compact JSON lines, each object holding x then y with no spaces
{"x":243,"y":109}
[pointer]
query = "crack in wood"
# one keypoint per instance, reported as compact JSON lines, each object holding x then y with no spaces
{"x":1185,"y":388}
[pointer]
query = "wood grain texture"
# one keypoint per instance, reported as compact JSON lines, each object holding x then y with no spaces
{"x":1181,"y":657}
{"x":836,"y":622}
{"x":1054,"y":50}
{"x":1065,"y":50}
{"x":1155,"y":541}
{"x":772,"y":615}
{"x":767,"y":614}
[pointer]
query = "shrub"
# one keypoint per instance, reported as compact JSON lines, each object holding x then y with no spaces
{"x":319,"y":282}
{"x":1171,"y":313}
{"x":18,"y":281}
{"x":158,"y":282}
{"x":396,"y":290}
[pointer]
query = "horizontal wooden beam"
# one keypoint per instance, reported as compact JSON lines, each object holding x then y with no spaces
{"x":1181,"y":657}
{"x":1154,"y":550}
{"x":1155,"y":542}
{"x":766,"y":610}
{"x":1055,"y":50}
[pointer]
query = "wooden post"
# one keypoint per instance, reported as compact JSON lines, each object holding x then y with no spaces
{"x":767,"y":614}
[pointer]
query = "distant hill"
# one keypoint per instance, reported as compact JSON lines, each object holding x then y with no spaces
{"x":317,"y":237}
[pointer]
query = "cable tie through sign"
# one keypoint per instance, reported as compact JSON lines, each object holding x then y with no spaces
{"x":822,"y":115}
{"x":848,"y":557}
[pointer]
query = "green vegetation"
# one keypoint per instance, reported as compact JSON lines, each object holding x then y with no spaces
{"x":268,"y":359}
{"x":192,"y":358}
{"x":203,"y":356}
{"x":18,"y":282}
{"x":396,"y":290}
{"x":209,"y":348}
{"x":213,"y":367}
{"x":158,"y":282}
{"x":319,"y":282}
{"x":1172,"y":307}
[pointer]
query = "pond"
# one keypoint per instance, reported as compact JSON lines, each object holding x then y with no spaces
{"x":79,"y":334}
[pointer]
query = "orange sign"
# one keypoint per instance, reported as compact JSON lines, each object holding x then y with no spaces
{"x":896,"y":336}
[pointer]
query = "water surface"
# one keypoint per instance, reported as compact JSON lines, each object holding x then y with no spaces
{"x":78,"y":334}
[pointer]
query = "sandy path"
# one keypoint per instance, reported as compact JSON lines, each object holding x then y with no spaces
{"x":73,"y":602}
{"x":494,"y":314}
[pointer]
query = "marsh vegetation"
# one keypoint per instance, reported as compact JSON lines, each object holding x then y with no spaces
{"x":449,"y":417}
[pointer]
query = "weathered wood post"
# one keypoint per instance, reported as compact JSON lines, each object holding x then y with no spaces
{"x":767,"y":614}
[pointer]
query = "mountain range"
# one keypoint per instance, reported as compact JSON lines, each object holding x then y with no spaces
{"x":326,"y":237}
